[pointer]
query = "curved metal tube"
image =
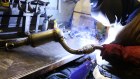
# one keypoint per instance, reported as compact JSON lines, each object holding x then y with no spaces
{"x":51,"y":35}
{"x":84,"y":50}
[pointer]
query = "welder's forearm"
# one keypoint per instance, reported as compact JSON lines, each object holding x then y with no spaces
{"x":130,"y":33}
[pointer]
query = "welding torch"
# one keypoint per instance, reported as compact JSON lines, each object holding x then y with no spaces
{"x":54,"y":34}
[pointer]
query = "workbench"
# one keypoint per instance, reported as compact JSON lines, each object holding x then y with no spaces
{"x":26,"y":60}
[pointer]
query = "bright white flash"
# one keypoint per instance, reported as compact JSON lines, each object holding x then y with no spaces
{"x":114,"y":28}
{"x":101,"y":18}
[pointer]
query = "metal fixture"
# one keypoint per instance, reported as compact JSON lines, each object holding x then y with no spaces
{"x":29,"y":12}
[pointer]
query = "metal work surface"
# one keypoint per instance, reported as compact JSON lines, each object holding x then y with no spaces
{"x":26,"y":60}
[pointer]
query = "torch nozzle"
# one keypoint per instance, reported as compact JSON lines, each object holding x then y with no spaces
{"x":84,"y":50}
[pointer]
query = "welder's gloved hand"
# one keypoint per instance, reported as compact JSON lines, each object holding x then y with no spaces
{"x":112,"y":53}
{"x":121,"y":55}
{"x":110,"y":50}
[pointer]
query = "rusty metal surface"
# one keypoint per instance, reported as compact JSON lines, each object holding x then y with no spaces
{"x":26,"y":60}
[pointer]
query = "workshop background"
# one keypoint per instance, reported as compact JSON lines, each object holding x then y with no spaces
{"x":73,"y":15}
{"x":21,"y":18}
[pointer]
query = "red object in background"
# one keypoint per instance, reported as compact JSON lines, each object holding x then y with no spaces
{"x":116,"y":53}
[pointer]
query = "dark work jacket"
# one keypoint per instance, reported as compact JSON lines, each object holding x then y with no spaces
{"x":124,"y":53}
